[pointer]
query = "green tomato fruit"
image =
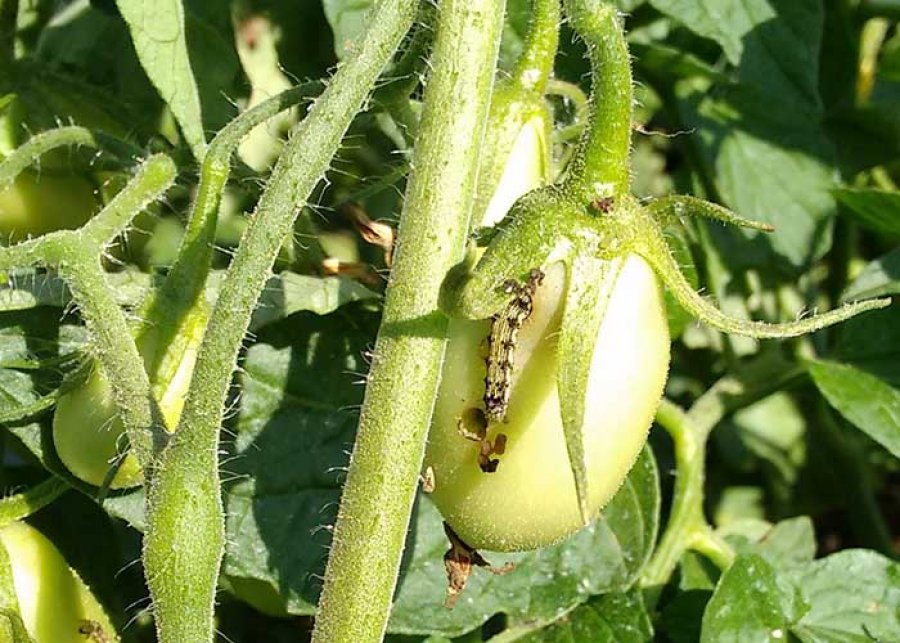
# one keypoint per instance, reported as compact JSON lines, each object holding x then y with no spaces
{"x":87,"y":429}
{"x":530,"y":500}
{"x":54,"y":603}
{"x":87,"y":433}
{"x":34,"y":205}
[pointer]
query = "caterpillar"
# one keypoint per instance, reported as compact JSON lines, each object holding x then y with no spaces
{"x":502,"y":344}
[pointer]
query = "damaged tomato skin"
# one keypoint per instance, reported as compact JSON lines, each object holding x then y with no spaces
{"x":530,"y":500}
{"x":54,"y":603}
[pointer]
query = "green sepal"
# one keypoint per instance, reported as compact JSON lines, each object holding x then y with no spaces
{"x":649,"y":242}
{"x":590,"y":284}
{"x":679,"y":205}
{"x":22,"y":505}
{"x":9,"y":602}
{"x":524,"y":241}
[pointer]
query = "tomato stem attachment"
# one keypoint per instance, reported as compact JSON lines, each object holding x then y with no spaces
{"x":603,"y":152}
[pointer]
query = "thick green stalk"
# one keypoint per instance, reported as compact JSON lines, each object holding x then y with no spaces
{"x":381,"y":483}
{"x":600,"y":167}
{"x":687,"y":516}
{"x":185,"y":538}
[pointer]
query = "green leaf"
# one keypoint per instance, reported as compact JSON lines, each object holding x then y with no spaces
{"x":606,"y":556}
{"x":871,"y":342}
{"x":853,"y":597}
{"x":863,"y":399}
{"x":747,"y":605}
{"x":612,"y":618}
{"x":876,"y":210}
{"x":348,"y":22}
{"x":158,"y":31}
{"x":788,"y":544}
{"x":663,"y":60}
{"x":590,"y":284}
{"x":297,"y":420}
{"x":728,"y":22}
{"x":880,"y":277}
{"x":770,"y":165}
{"x":287,"y":293}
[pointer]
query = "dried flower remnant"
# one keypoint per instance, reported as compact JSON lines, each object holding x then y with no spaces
{"x":459,"y":560}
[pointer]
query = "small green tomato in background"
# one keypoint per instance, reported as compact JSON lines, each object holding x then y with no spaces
{"x":530,"y":500}
{"x":87,"y":431}
{"x":54,"y":603}
{"x":34,"y":205}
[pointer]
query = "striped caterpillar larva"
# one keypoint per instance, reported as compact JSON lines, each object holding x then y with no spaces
{"x":505,"y":327}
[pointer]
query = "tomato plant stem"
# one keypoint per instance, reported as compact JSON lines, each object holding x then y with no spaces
{"x":37,"y":497}
{"x":687,"y":527}
{"x":184,"y":497}
{"x":114,"y":346}
{"x":381,"y":482}
{"x":601,"y":161}
{"x":687,"y":518}
{"x":535,"y":64}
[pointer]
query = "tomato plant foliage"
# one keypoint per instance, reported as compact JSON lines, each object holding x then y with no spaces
{"x":154,"y":170}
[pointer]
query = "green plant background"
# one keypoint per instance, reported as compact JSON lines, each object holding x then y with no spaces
{"x":753,"y":103}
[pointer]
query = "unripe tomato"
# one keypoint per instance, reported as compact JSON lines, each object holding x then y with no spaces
{"x":87,"y":430}
{"x":54,"y":603}
{"x":530,"y":500}
{"x":35,"y":205}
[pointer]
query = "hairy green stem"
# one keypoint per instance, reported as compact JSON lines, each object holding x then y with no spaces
{"x":518,"y":109}
{"x":152,"y":179}
{"x":77,"y":256}
{"x":654,"y":248}
{"x":74,"y":135}
{"x":600,"y":167}
{"x":113,"y":344}
{"x":169,"y":305}
{"x":22,"y":505}
{"x":687,"y":527}
{"x":687,"y":517}
{"x":184,"y":497}
{"x":535,"y":65}
{"x":381,"y":483}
